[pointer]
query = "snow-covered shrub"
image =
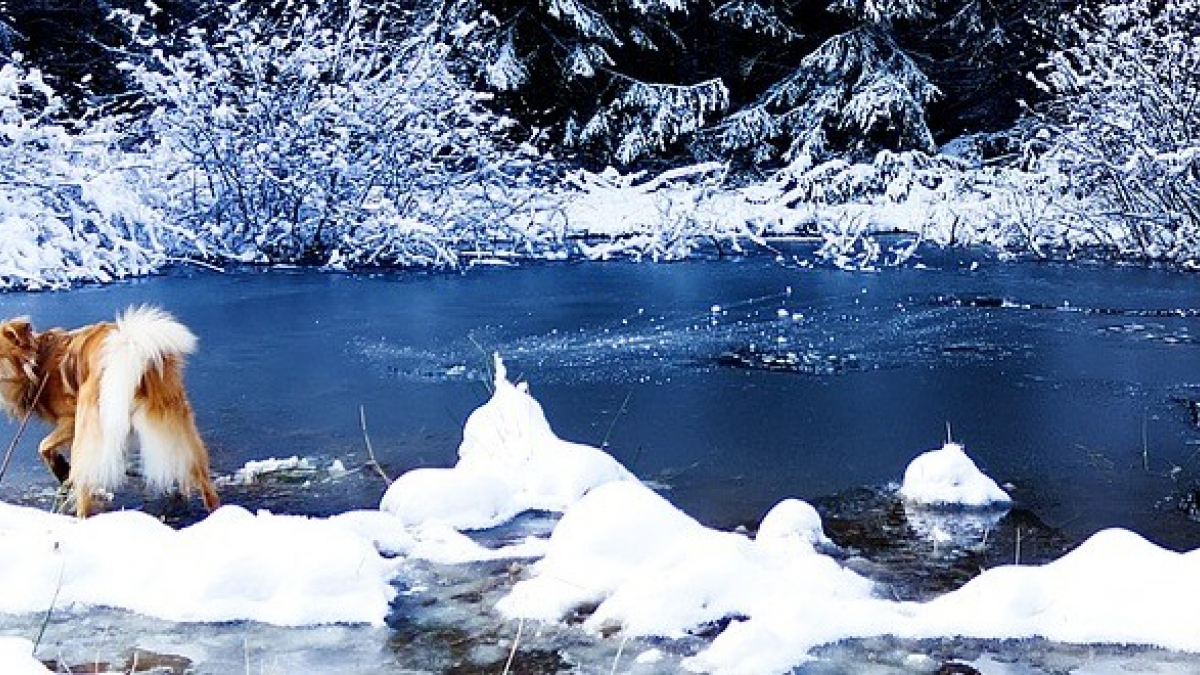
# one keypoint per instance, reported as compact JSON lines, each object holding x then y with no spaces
{"x":943,"y":199}
{"x":1125,"y":124}
{"x":325,"y":136}
{"x":71,"y":208}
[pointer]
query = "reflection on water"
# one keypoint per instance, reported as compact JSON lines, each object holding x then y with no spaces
{"x":918,"y":553}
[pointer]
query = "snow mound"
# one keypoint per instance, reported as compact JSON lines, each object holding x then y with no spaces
{"x":792,"y":523}
{"x":16,"y":657}
{"x":284,"y":570}
{"x":509,"y":462}
{"x":1114,"y":588}
{"x":650,"y":569}
{"x":948,"y":477}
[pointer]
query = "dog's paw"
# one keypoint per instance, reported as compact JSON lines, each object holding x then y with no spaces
{"x":61,"y":468}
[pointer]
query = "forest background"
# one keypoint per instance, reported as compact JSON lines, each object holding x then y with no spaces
{"x":438,"y":133}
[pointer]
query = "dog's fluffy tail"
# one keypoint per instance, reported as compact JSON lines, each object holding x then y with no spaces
{"x":144,"y":337}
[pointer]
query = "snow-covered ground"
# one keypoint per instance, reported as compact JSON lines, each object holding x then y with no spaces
{"x":621,"y":553}
{"x":16,"y":657}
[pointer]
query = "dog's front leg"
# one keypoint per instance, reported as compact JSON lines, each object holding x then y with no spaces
{"x":63,"y":434}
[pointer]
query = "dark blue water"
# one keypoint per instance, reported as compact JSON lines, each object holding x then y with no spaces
{"x":733,"y":384}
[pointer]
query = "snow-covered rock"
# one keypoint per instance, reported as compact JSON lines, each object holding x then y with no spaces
{"x":651,"y":569}
{"x":509,"y":462}
{"x":1115,"y":588}
{"x":948,"y":477}
{"x":791,"y":523}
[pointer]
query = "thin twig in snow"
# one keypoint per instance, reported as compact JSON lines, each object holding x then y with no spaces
{"x":53,"y":601}
{"x":617,"y":658}
{"x":620,"y":411}
{"x":512,"y":654}
{"x":373,"y":463}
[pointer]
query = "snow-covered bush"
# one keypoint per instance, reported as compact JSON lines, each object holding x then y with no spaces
{"x":71,"y":206}
{"x":328,"y":136}
{"x":1125,"y":124}
{"x":944,"y":199}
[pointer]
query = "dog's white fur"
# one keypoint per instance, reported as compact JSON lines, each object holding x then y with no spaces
{"x":142,"y":338}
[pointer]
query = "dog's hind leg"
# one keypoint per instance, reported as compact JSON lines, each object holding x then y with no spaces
{"x":87,"y":439}
{"x":83,"y":500}
{"x":172,"y":452}
{"x":198,"y":473}
{"x":201,"y":478}
{"x":96,"y":463}
{"x":62,"y":436}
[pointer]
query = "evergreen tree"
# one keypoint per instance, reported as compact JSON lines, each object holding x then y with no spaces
{"x":857,"y":93}
{"x":75,"y":42}
{"x":769,"y":81}
{"x":609,"y":78}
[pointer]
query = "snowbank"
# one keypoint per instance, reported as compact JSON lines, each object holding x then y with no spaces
{"x":665,"y":217}
{"x":509,"y":462}
{"x":16,"y":657}
{"x":1116,"y":588}
{"x":285,"y":570}
{"x":947,"y":477}
{"x":650,"y":569}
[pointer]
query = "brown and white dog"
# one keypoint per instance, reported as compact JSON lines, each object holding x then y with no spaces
{"x":99,"y":385}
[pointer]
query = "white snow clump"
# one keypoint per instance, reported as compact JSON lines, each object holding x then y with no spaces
{"x":284,"y":570}
{"x":16,"y":657}
{"x":509,"y":462}
{"x":948,"y":477}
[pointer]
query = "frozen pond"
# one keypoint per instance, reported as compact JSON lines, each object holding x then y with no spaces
{"x":729,"y":384}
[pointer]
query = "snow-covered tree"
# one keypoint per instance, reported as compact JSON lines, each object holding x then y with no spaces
{"x":1123,"y":128}
{"x":854,"y":77}
{"x":71,"y":199}
{"x":979,"y":54}
{"x":857,"y":93}
{"x":323,"y":134}
{"x":604,"y":77}
{"x":647,"y":119}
